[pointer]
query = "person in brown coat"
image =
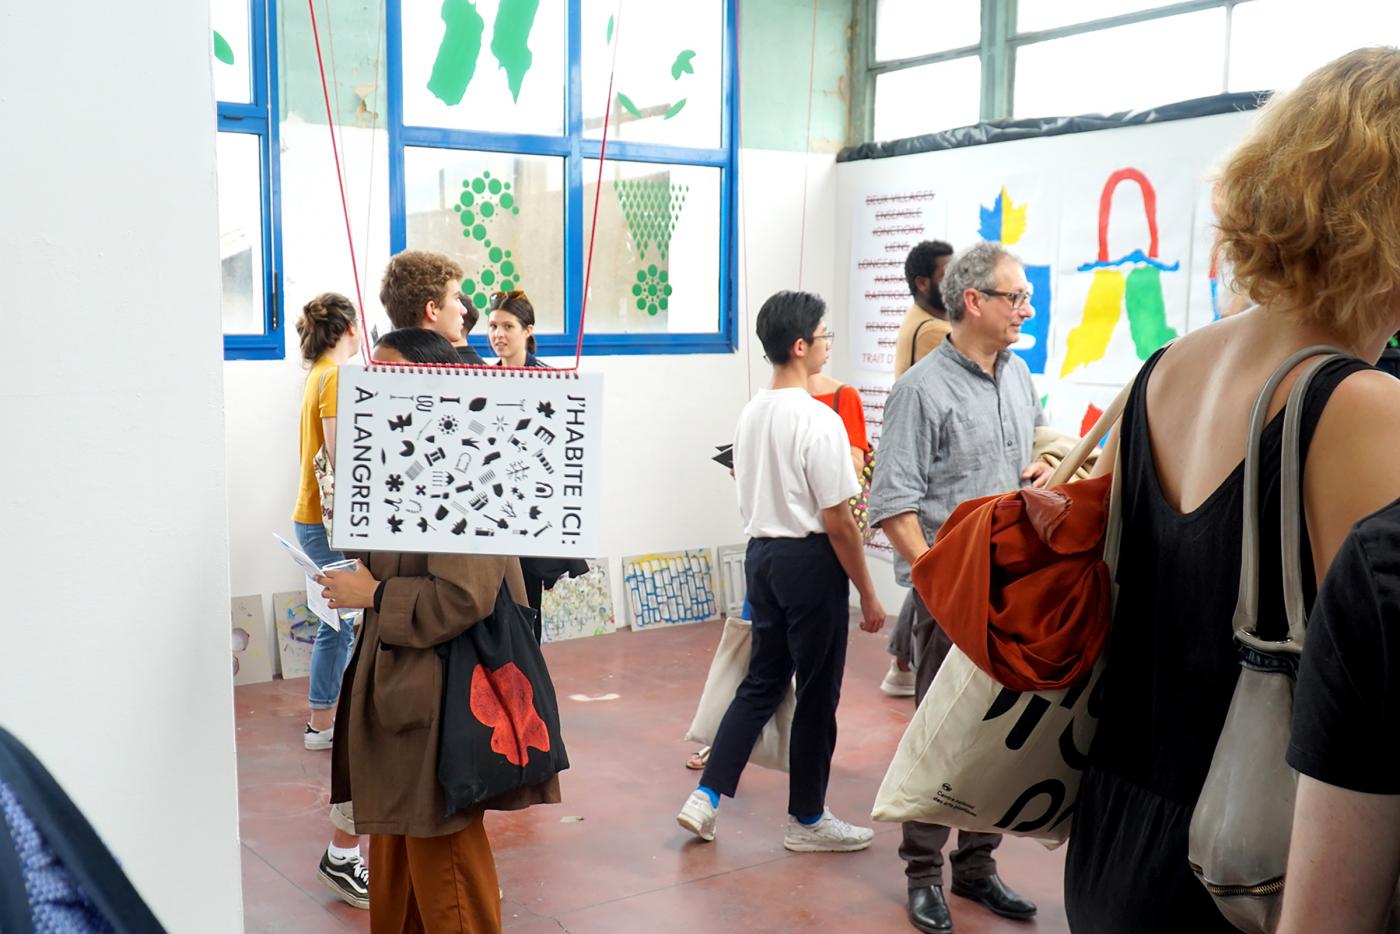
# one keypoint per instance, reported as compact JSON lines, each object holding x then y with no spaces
{"x":431,"y":873}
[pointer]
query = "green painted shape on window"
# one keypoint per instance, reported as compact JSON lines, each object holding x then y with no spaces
{"x":510,"y":40}
{"x":222,"y":50}
{"x":457,"y":55}
{"x":626,"y":103}
{"x":675,"y":109}
{"x":682,"y":64}
{"x":610,"y":29}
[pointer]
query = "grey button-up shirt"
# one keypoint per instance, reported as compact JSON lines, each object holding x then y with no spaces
{"x":952,"y":433}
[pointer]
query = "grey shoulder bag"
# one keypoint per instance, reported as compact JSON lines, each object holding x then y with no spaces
{"x":1238,"y":842}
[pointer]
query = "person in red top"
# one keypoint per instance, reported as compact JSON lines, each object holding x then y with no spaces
{"x":823,"y":388}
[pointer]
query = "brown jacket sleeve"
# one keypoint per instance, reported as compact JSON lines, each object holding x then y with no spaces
{"x":458,"y":592}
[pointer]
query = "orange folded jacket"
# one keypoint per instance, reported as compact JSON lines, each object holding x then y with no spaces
{"x":1018,"y":582}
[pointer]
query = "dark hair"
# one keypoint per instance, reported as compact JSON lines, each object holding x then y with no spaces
{"x":419,"y":345}
{"x":517,"y":304}
{"x":922,"y":261}
{"x":411,"y":280}
{"x":469,"y":317}
{"x":323,"y":321}
{"x":785,"y":318}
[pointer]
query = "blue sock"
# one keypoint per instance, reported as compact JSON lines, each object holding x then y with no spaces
{"x":808,"y":821}
{"x":714,"y":795}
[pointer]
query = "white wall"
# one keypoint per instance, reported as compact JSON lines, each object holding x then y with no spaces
{"x":663,"y":415}
{"x":116,"y":667}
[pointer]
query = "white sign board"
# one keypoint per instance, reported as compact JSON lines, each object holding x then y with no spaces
{"x":468,"y":462}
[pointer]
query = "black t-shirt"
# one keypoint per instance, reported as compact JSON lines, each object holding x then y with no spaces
{"x":469,"y":355}
{"x":1347,"y":706}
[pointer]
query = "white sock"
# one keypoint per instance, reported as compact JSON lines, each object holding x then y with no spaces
{"x":343,"y":855}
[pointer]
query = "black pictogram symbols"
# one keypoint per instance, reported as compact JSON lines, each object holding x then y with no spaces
{"x":437,"y":456}
{"x":543,"y":490}
{"x":545,"y":409}
{"x":460,"y":528}
{"x":400,"y":422}
{"x":395,"y":524}
{"x":443,"y":477}
{"x":412,"y":506}
{"x":393,"y":503}
{"x":421,"y":489}
{"x":517,"y":470}
{"x":534,"y":512}
{"x":490,"y":458}
{"x":477,"y":404}
{"x":394,"y":483}
{"x":441,"y":513}
{"x":423,"y":525}
{"x":545,"y":435}
{"x":544,"y":462}
{"x":414,"y":470}
{"x":406,"y":450}
{"x":522,"y":424}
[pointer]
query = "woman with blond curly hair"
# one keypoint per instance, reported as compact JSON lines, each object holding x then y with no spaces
{"x":1310,"y":221}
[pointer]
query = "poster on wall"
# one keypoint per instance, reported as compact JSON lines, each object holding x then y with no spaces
{"x":1214,"y":294}
{"x":885,"y":226}
{"x":1022,"y":213}
{"x":1122,"y":290}
{"x":468,"y":462}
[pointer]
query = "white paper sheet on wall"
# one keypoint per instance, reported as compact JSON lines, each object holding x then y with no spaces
{"x":468,"y":462}
{"x":885,"y":226}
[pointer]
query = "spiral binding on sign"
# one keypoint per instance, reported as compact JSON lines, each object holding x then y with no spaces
{"x":452,"y":369}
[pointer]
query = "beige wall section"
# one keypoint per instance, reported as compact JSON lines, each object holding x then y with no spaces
{"x":115,"y":667}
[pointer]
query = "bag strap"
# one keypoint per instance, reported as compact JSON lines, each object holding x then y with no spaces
{"x":1246,"y":616}
{"x":836,"y":399}
{"x":1081,"y":451}
{"x":15,"y":916}
{"x":914,"y":342}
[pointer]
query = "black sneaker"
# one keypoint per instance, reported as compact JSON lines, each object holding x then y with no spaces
{"x":348,"y":879}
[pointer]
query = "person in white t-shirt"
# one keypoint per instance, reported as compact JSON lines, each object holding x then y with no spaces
{"x":794,"y":476}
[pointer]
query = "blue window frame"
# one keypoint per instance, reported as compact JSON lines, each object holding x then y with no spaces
{"x":576,"y":148}
{"x":257,"y":118}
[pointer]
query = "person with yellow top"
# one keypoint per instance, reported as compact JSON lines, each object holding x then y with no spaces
{"x":329,"y":337}
{"x":925,"y":324}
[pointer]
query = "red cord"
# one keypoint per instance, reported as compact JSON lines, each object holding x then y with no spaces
{"x":598,"y":190}
{"x":340,"y":179}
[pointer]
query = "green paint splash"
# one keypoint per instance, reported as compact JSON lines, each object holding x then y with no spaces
{"x":682,"y":65}
{"x":510,"y":40}
{"x":675,"y":109}
{"x":222,"y":50}
{"x":1147,"y":311}
{"x":610,"y":29}
{"x":627,"y":105}
{"x":461,"y":47}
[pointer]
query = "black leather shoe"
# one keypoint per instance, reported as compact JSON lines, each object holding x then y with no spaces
{"x":994,"y":894}
{"x":928,"y":912}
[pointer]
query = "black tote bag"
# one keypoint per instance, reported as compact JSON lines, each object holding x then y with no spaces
{"x":500,"y":718}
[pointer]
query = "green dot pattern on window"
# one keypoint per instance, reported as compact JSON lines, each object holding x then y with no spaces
{"x":484,"y":200}
{"x":651,"y":209}
{"x":652,"y":290}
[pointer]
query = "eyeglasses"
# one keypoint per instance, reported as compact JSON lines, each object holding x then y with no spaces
{"x":1018,"y":300}
{"x":829,"y":337}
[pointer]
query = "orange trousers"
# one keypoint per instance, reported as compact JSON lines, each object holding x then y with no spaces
{"x":434,"y":885}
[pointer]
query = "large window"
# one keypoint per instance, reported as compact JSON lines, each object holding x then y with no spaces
{"x":245,"y":86}
{"x":496,"y":117}
{"x":1042,"y":58}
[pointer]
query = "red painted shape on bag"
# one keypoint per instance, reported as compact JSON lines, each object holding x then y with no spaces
{"x":505,"y":701}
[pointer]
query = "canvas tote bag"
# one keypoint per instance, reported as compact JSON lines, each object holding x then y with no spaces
{"x":727,"y":671}
{"x":1240,"y":829}
{"x":980,"y":756}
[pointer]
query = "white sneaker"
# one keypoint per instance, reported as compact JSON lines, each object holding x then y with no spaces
{"x":828,"y":835}
{"x":318,"y":739}
{"x":898,"y":683}
{"x":698,"y":816}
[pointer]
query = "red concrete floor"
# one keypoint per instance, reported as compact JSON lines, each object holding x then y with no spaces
{"x":626,"y":867}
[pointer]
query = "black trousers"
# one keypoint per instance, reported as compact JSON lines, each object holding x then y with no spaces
{"x":922,"y":849}
{"x":799,"y":593}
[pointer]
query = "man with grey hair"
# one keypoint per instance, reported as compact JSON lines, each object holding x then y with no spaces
{"x":959,"y":424}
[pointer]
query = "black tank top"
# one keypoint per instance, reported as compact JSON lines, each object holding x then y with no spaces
{"x":1172,"y":667}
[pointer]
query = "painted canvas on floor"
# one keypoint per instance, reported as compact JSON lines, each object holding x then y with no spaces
{"x":579,"y":606}
{"x":252,"y":664}
{"x":296,"y":632}
{"x":670,"y":588}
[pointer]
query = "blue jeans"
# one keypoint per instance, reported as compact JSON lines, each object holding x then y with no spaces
{"x":331,"y":652}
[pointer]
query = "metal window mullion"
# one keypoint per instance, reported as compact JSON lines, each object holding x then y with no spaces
{"x":932,"y":58}
{"x":1019,"y":39}
{"x":573,"y":172}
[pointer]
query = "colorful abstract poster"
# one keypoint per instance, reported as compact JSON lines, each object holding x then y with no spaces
{"x":1022,"y":213}
{"x":670,"y":588}
{"x":252,"y":663}
{"x":579,"y":606}
{"x":1074,"y":408}
{"x":296,"y":632}
{"x":885,"y":226}
{"x":1125,"y":245}
{"x":1214,"y":294}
